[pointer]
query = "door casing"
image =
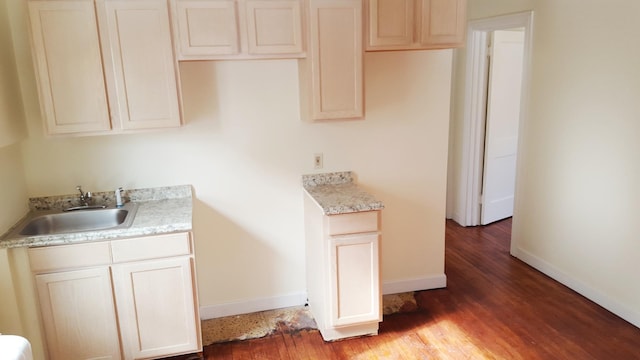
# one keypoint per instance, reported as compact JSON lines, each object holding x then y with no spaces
{"x":469,"y":190}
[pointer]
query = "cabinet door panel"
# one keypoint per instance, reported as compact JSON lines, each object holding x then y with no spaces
{"x":146,"y":89}
{"x":336,"y":59}
{"x":207,"y":27}
{"x":79,"y":314}
{"x":156,"y":304}
{"x":69,"y":66}
{"x":443,"y":22}
{"x":274,"y":27}
{"x":391,"y":22}
{"x":356,"y":279}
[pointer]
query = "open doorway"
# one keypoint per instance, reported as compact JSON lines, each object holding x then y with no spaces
{"x":472,"y":165}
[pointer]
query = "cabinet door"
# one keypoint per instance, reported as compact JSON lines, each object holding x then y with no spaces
{"x":335,"y":56}
{"x":67,"y":57}
{"x":391,"y":23}
{"x":274,"y":26}
{"x":443,"y":23}
{"x":142,"y":64}
{"x":355,"y":277}
{"x":156,"y":307}
{"x":79,"y":314}
{"x":206,"y":27}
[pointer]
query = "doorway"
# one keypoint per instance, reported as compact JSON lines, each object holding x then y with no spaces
{"x":505,"y":53}
{"x":471,"y":167}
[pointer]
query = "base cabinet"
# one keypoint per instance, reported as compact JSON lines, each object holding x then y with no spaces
{"x":121,"y":299}
{"x":155,"y":306}
{"x":343,"y":273}
{"x":78,"y":314}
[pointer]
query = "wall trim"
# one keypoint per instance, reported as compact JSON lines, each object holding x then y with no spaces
{"x":467,"y":206}
{"x":252,"y":305}
{"x":300,"y":298}
{"x":583,"y":289}
{"x":414,"y":284}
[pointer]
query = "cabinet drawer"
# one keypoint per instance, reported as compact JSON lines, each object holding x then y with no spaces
{"x":150,"y":247}
{"x":69,"y":256}
{"x":360,"y":222}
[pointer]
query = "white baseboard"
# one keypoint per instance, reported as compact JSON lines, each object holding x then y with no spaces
{"x":590,"y":293}
{"x":415,"y":284}
{"x":252,"y":305}
{"x":300,"y":298}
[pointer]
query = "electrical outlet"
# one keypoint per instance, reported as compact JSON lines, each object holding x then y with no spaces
{"x":317,"y":161}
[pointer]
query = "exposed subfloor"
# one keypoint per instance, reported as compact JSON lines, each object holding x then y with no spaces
{"x":264,"y":323}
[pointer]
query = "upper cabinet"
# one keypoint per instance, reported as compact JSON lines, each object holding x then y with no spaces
{"x":331,"y":77}
{"x":238,"y":29}
{"x":105,"y":66}
{"x":415,"y":24}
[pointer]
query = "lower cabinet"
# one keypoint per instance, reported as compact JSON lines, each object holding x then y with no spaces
{"x":79,"y":315}
{"x":343,"y":273}
{"x":135,"y":302}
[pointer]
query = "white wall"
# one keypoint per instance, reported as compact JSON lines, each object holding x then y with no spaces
{"x":13,"y":192}
{"x":577,"y":197}
{"x":244,"y":149}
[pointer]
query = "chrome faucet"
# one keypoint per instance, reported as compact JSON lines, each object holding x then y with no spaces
{"x":85,"y":198}
{"x":119,"y":201}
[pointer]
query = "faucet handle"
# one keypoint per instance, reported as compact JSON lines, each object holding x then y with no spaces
{"x":119,"y":202}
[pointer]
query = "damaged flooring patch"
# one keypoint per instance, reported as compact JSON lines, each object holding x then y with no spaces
{"x":263,"y":323}
{"x":256,"y":325}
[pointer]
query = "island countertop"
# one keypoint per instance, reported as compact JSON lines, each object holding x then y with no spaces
{"x":160,"y":211}
{"x":336,"y":193}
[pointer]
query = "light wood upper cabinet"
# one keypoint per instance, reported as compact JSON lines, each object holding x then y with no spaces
{"x":206,"y":28}
{"x":105,"y":66}
{"x":332,"y":74}
{"x":274,"y":27}
{"x":145,"y":78}
{"x":69,"y":66}
{"x":391,"y":22}
{"x":415,"y":24}
{"x":238,"y":29}
{"x":442,"y":22}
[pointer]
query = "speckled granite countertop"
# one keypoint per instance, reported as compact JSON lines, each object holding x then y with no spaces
{"x":336,"y":193}
{"x":160,"y":210}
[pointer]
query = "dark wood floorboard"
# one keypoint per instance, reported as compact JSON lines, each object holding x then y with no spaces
{"x":494,"y":307}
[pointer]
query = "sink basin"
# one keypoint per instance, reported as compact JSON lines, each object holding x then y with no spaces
{"x":80,"y":220}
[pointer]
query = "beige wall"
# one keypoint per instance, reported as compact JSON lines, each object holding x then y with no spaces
{"x":11,"y":114}
{"x":244,"y":149}
{"x":13,"y":191}
{"x":577,"y":197}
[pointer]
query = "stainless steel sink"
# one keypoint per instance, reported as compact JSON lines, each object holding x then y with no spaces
{"x":80,"y":220}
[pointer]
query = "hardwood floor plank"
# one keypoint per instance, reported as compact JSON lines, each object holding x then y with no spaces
{"x":494,"y":307}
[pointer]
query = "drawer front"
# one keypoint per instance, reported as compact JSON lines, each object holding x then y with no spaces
{"x":53,"y":258}
{"x":360,"y":222}
{"x":151,"y":247}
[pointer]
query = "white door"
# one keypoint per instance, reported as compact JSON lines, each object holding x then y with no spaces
{"x":503,"y":114}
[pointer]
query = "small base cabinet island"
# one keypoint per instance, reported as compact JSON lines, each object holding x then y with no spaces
{"x":119,"y":293}
{"x":342,"y":231}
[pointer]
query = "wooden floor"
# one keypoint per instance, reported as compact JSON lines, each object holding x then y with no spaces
{"x":494,"y":307}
